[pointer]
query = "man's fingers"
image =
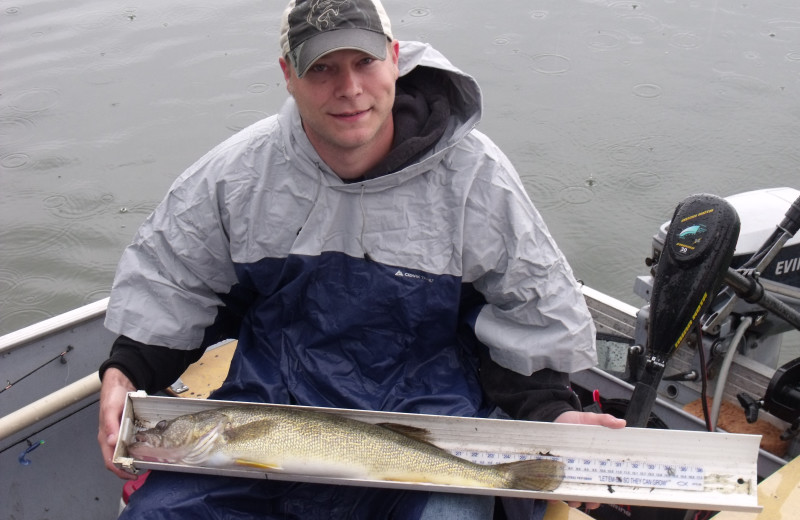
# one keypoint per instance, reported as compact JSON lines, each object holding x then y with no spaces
{"x":112,"y":401}
{"x":597,"y":419}
{"x":107,"y":450}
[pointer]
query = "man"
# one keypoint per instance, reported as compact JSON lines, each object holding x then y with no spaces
{"x":369,"y":249}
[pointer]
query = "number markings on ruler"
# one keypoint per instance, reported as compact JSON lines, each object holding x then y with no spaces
{"x":608,"y":472}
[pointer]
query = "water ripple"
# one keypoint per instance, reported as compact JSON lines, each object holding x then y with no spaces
{"x":14,"y":160}
{"x":259,"y":88}
{"x":576,"y":195}
{"x":35,"y":291}
{"x":641,"y":151}
{"x":647,"y":90}
{"x":545,"y":190}
{"x":8,"y":279}
{"x":34,"y":239}
{"x":17,"y":319}
{"x":14,"y":128}
{"x":739,"y":89}
{"x":96,"y":294}
{"x":243,"y":118}
{"x":508,"y":39}
{"x":685,"y":40}
{"x":78,"y":205}
{"x":550,"y":63}
{"x":35,"y":99}
{"x":607,"y":40}
{"x":645,"y":23}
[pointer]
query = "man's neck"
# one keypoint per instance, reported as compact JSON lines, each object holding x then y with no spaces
{"x":353,"y":163}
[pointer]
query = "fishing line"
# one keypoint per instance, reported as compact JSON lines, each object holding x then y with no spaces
{"x":9,"y":384}
{"x":37,"y":432}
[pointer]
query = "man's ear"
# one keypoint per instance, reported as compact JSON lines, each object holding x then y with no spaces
{"x":287,"y":73}
{"x":395,"y":51}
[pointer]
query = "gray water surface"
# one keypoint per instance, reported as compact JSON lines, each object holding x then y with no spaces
{"x":612,"y":111}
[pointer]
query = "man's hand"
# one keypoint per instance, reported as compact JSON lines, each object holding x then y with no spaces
{"x":113,"y":392}
{"x":595,"y":419}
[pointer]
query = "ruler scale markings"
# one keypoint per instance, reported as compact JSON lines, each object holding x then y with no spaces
{"x":585,"y":470}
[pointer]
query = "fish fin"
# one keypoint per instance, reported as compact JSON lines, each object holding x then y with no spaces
{"x":534,"y":474}
{"x":418,"y":434}
{"x":253,"y":464}
{"x":255,"y":428}
{"x":205,"y":446}
{"x":408,"y":479}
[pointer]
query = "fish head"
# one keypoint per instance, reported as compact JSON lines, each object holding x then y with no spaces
{"x":188,"y":439}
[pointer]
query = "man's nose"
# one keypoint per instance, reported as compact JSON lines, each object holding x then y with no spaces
{"x":348,"y":83}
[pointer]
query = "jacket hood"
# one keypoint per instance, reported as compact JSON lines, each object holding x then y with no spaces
{"x":465,"y":113}
{"x":465,"y":94}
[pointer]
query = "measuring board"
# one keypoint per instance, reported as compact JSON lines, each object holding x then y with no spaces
{"x":585,"y":470}
{"x":630,"y":466}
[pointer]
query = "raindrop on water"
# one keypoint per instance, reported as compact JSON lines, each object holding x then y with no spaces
{"x":550,"y":63}
{"x":577,"y":195}
{"x":35,"y":99}
{"x":14,"y":160}
{"x":647,"y":90}
{"x":244,"y":118}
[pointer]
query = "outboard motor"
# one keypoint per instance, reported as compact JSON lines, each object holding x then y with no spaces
{"x":760,"y":295}
{"x":698,"y":249}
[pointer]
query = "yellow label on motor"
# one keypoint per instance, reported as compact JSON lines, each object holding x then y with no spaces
{"x":691,"y":321}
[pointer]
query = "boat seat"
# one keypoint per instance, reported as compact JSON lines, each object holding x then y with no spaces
{"x":207,"y":373}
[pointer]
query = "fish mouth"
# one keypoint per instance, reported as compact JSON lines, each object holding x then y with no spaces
{"x":149,"y":447}
{"x":143,"y":450}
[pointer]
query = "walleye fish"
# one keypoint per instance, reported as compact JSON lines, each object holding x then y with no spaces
{"x":323,"y":444}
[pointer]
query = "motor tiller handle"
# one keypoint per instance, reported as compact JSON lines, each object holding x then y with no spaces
{"x":791,"y":222}
{"x":697,"y":251}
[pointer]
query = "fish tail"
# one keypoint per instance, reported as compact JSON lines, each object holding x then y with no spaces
{"x":535,"y":474}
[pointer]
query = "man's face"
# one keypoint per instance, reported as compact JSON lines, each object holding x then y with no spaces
{"x":345,"y":100}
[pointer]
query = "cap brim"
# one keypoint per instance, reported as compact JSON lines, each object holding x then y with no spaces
{"x":314,"y":48}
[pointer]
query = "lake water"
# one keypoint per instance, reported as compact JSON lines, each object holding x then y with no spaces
{"x":612,"y":111}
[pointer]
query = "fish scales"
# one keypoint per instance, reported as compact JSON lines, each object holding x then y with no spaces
{"x":367,"y":450}
{"x":323,"y":444}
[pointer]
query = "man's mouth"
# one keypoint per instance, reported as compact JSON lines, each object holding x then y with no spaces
{"x":345,"y":115}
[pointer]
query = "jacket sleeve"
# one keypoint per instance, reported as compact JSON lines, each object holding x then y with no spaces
{"x":542,"y":396}
{"x":171,"y":280}
{"x":150,"y":368}
{"x":535,"y":316}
